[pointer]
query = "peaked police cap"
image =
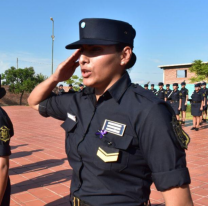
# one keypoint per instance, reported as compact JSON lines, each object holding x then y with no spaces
{"x":97,"y":31}
{"x":160,"y":84}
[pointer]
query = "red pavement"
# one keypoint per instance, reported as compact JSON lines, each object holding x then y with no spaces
{"x":40,"y":173}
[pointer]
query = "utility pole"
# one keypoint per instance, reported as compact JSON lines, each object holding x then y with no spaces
{"x":17,"y":63}
{"x":52,"y":36}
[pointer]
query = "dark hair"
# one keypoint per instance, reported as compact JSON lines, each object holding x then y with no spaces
{"x":132,"y":61}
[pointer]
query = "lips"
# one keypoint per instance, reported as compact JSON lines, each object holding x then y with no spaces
{"x":86,"y":73}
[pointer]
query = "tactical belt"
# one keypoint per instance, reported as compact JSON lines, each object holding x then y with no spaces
{"x":196,"y":101}
{"x":78,"y":202}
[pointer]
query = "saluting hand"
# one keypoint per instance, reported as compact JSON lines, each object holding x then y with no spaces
{"x":66,"y":69}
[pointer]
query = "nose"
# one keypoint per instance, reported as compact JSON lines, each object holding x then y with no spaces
{"x":83,"y":59}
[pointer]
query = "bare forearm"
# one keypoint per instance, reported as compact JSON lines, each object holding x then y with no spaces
{"x":178,"y":196}
{"x":42,"y":91}
{"x":4,"y":170}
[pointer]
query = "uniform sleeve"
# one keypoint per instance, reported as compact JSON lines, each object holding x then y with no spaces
{"x":187,"y":92}
{"x":162,"y":151}
{"x":5,"y":135}
{"x":56,"y":106}
{"x":180,"y":95}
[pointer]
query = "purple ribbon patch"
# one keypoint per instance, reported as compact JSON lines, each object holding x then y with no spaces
{"x":102,"y":133}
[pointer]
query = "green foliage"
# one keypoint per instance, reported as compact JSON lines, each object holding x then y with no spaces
{"x":201,"y":71}
{"x":21,"y":80}
{"x":75,"y":81}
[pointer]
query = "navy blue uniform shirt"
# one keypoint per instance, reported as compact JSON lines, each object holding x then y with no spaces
{"x":6,"y":132}
{"x":184,"y":92}
{"x":197,"y":96}
{"x":176,"y":95}
{"x":154,"y":91}
{"x":161,"y":94}
{"x":168,"y":93}
{"x":148,"y":148}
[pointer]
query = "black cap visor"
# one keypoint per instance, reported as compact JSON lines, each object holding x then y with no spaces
{"x":78,"y":44}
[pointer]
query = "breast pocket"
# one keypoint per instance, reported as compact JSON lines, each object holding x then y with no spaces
{"x":69,"y":126}
{"x":114,"y":142}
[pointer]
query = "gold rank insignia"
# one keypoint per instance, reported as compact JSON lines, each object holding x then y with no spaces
{"x":165,"y":92}
{"x":4,"y":134}
{"x":180,"y":94}
{"x":182,"y":136}
{"x":108,"y":154}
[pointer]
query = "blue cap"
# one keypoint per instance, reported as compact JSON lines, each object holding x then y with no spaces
{"x":203,"y":83}
{"x":97,"y":31}
{"x":152,"y":85}
{"x":175,"y":84}
{"x":197,"y":85}
{"x":160,"y":84}
{"x":146,"y":85}
{"x":167,"y":85}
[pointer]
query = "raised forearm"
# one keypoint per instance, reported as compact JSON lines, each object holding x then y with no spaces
{"x":4,"y":170}
{"x":42,"y":91}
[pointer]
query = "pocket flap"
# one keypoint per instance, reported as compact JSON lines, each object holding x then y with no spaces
{"x":118,"y":141}
{"x":68,"y":125}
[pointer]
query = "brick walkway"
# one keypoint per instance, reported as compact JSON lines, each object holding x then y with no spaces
{"x":40,"y":173}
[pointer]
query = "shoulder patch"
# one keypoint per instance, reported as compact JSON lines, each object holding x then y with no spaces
{"x":182,"y":137}
{"x":4,"y":134}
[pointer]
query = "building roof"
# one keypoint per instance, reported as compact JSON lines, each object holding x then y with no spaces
{"x":177,"y":65}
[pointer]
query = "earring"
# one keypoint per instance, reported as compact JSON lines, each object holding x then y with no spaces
{"x":122,"y":63}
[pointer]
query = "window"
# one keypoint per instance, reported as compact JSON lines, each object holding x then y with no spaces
{"x":181,"y":73}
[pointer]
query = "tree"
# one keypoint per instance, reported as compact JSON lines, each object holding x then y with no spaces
{"x":21,"y":80}
{"x":75,"y":81}
{"x":201,"y":71}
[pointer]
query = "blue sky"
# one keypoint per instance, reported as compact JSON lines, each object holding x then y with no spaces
{"x":168,"y":32}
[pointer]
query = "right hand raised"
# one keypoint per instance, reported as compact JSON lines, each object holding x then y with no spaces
{"x":66,"y":69}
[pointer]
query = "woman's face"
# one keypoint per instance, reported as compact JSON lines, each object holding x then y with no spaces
{"x":196,"y":88}
{"x":100,"y":65}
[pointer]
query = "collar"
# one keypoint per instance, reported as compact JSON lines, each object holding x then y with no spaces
{"x":117,"y":90}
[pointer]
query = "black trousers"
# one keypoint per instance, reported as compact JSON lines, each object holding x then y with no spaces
{"x":6,"y":198}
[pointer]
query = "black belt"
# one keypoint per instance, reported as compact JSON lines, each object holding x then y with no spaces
{"x":196,"y":101}
{"x":78,"y":202}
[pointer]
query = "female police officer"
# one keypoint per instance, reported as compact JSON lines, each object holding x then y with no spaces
{"x":6,"y":132}
{"x":196,"y":106}
{"x":119,"y":137}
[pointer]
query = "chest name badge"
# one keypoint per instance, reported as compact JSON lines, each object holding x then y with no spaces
{"x":114,"y":127}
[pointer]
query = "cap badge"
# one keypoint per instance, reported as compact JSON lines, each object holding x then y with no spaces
{"x":83,"y":24}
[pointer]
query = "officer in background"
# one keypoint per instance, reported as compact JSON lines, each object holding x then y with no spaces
{"x":114,"y":154}
{"x":146,"y":86}
{"x":60,"y":89}
{"x":168,"y":93}
{"x":205,"y":91}
{"x":161,"y":92}
{"x":202,"y":92}
{"x":196,"y":106}
{"x":71,"y":89}
{"x":184,"y":92}
{"x":6,"y":132}
{"x":153,"y":89}
{"x":176,"y":100}
{"x":81,"y":87}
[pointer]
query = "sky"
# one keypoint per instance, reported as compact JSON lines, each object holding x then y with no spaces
{"x":167,"y":32}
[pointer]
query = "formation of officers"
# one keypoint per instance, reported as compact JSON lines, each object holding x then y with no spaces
{"x":178,"y":99}
{"x":70,"y":89}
